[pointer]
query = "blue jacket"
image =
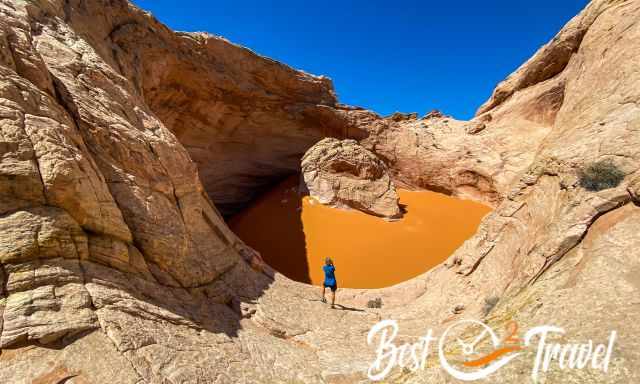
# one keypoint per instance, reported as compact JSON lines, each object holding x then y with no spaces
{"x":329,"y":275}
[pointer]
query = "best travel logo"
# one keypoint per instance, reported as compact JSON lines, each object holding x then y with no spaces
{"x":483,"y":351}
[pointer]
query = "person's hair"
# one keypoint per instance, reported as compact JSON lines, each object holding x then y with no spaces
{"x":328,"y":261}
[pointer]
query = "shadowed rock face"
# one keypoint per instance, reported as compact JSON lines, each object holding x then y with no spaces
{"x":244,"y":119}
{"x":116,"y":267}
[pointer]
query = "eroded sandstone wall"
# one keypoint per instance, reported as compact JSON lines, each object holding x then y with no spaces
{"x":116,"y":267}
{"x":88,"y":165}
{"x":245,"y":120}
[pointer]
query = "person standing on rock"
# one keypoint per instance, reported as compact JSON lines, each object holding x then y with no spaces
{"x":329,"y":280}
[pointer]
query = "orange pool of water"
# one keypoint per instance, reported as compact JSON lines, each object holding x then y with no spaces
{"x":294,"y":234}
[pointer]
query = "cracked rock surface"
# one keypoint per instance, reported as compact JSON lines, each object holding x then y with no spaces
{"x":115,"y":265}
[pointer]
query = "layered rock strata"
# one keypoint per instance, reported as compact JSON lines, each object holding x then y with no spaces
{"x":116,"y":267}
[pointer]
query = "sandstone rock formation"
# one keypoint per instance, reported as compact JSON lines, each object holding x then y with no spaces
{"x":220,"y":100}
{"x":345,"y":175}
{"x":87,"y":160}
{"x":116,"y":267}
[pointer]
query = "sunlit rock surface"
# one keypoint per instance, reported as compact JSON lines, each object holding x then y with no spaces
{"x":343,"y":174}
{"x":116,"y":267}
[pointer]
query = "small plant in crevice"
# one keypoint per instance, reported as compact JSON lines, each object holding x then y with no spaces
{"x":489,"y":304}
{"x":375,"y":303}
{"x":600,"y":175}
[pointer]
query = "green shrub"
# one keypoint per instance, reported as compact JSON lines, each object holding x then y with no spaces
{"x":377,"y":303}
{"x":603,"y":174}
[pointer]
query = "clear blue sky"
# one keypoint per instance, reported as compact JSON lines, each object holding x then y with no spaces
{"x":400,"y":55}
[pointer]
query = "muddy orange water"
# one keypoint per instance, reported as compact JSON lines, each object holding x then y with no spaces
{"x":294,"y":234}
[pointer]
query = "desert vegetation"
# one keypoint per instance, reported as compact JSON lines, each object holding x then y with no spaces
{"x":600,"y":175}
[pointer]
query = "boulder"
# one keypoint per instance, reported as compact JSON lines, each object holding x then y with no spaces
{"x":343,"y":174}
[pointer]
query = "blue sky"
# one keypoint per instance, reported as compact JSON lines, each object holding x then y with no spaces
{"x":401,"y":55}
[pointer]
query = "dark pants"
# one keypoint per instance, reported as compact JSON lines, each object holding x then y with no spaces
{"x":333,"y":287}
